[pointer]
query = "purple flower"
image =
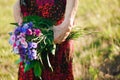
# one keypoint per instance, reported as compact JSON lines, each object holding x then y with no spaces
{"x":32,"y":45}
{"x":30,"y":57}
{"x":22,"y":50}
{"x":17,"y":31}
{"x":23,"y":30}
{"x":32,"y":54}
{"x":20,"y":35}
{"x":25,"y":45}
{"x":29,"y":32}
{"x":23,"y":42}
{"x":17,"y":43}
{"x":22,"y":57}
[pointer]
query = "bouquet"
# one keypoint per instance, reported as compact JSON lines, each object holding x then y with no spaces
{"x":33,"y":41}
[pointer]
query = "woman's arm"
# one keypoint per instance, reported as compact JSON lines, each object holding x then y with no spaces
{"x":62,"y":31}
{"x":17,"y":12}
{"x":71,"y":9}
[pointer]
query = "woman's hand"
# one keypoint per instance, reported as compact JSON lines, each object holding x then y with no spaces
{"x":17,"y":13}
{"x":61,"y":32}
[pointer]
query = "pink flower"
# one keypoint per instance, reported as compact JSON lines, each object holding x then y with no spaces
{"x":14,"y":45}
{"x":25,"y":45}
{"x":22,"y":40}
{"x":12,"y":39}
{"x":21,"y":35}
{"x":37,"y":32}
{"x":29,"y":32}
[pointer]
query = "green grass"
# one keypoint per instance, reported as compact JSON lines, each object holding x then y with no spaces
{"x":8,"y":68}
{"x":101,"y":45}
{"x":96,"y":52}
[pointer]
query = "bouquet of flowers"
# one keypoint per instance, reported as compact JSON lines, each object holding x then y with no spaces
{"x":33,"y":41}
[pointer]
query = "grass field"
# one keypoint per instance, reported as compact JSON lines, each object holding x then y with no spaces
{"x":97,"y":52}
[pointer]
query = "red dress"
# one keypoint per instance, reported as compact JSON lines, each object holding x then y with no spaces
{"x":62,"y":61}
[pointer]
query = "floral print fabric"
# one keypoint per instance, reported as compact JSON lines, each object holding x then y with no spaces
{"x":62,"y":61}
{"x":51,"y":9}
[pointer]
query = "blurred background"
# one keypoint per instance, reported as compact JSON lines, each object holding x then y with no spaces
{"x":97,"y":51}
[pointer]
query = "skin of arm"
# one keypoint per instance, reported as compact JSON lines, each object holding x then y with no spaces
{"x":60,"y":31}
{"x":63,"y":30}
{"x":17,"y":12}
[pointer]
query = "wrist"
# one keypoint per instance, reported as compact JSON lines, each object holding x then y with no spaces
{"x":68,"y":24}
{"x":69,"y":21}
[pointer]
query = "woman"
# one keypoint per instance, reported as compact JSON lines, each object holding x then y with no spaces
{"x":63,"y":12}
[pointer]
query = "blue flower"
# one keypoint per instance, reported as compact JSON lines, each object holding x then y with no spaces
{"x":30,"y":24}
{"x":17,"y":31}
{"x":25,"y":27}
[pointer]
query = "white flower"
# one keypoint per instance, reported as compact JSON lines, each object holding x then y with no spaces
{"x":12,"y":39}
{"x":16,"y":49}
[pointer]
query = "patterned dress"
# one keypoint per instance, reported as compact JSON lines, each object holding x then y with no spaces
{"x":62,"y":61}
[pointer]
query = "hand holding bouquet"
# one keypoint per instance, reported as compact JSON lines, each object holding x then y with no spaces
{"x":33,"y":41}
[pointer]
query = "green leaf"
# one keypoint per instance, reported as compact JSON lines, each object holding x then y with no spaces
{"x":75,"y":33}
{"x":39,"y":21}
{"x":49,"y":64}
{"x":37,"y":69}
{"x":28,"y":66}
{"x":16,"y":24}
{"x":45,"y":58}
{"x":53,"y":49}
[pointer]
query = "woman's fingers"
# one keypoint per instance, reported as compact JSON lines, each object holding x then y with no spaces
{"x":20,"y":22}
{"x":60,"y":33}
{"x":60,"y":36}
